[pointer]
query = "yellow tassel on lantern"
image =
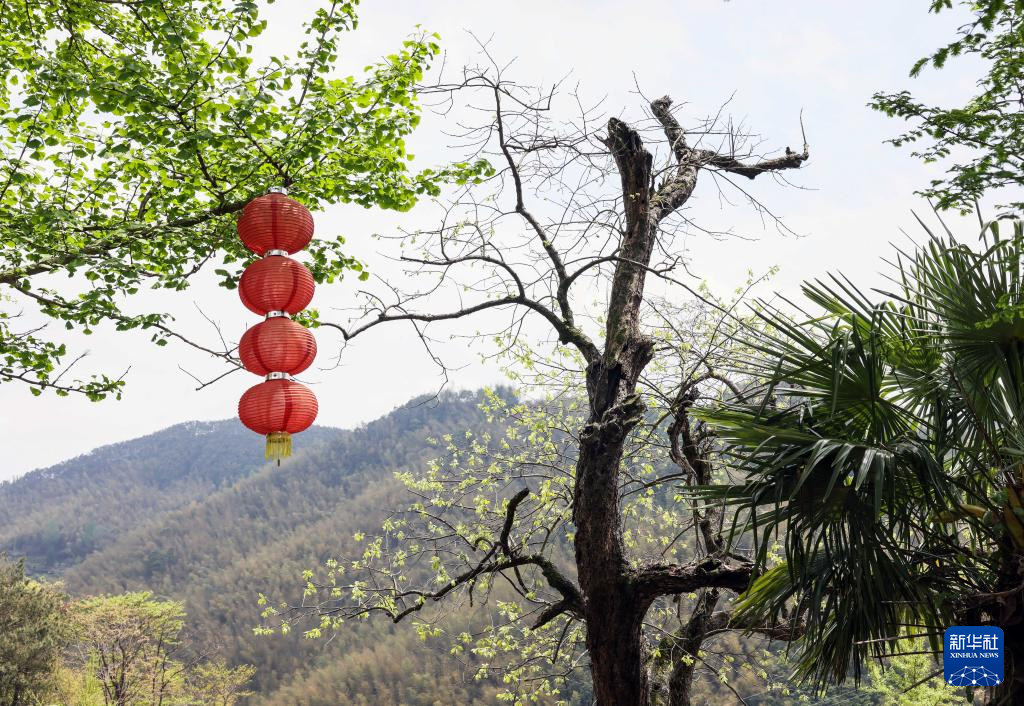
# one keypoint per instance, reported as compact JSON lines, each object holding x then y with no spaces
{"x":279,"y":445}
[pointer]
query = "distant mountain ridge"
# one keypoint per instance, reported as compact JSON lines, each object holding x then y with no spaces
{"x":58,"y":515}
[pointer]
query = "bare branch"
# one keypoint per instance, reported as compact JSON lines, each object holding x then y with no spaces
{"x":678,"y":189}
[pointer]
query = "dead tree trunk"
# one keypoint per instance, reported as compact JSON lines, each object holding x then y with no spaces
{"x":616,"y":597}
{"x":613,"y":611}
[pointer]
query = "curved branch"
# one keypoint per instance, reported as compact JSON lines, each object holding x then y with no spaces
{"x":567,"y":334}
{"x":571,"y":599}
{"x":678,"y":189}
{"x":790,"y":160}
{"x":588,"y":348}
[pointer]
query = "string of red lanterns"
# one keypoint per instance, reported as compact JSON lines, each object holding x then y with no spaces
{"x":277,"y":287}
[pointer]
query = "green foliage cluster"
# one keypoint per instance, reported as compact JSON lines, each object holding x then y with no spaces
{"x":129,"y":650}
{"x":131,"y":133}
{"x":910,"y":680}
{"x":34,"y":629}
{"x":981,"y":140}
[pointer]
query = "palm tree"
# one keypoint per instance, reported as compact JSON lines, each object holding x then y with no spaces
{"x":882,"y":448}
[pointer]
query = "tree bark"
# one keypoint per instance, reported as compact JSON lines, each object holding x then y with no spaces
{"x":614,"y":612}
{"x":616,"y":647}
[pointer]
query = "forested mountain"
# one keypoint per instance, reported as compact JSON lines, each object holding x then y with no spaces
{"x":193,"y":513}
{"x":57,"y":516}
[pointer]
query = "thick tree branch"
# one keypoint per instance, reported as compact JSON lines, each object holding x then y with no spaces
{"x":657,"y":580}
{"x":790,"y":160}
{"x":685,"y":649}
{"x":693,"y":461}
{"x":481,"y":569}
{"x":571,"y":600}
{"x":553,"y":611}
{"x":676,"y":190}
{"x":510,"y":519}
{"x":634,"y":163}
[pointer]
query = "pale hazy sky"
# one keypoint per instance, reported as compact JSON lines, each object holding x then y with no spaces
{"x":778,"y":57}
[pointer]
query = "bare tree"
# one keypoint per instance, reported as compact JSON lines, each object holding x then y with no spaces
{"x":577,"y":211}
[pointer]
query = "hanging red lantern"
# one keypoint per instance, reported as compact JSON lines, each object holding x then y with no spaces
{"x":276,"y":283}
{"x":277,"y":345}
{"x":275,"y":221}
{"x":274,"y":226}
{"x":278,"y":408}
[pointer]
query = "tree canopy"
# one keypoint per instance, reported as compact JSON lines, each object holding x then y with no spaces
{"x":981,"y":140}
{"x":35,"y":629}
{"x":132,"y":132}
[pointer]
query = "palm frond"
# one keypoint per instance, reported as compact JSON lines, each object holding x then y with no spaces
{"x":874,"y":423}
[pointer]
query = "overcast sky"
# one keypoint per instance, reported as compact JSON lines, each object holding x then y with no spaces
{"x":775,"y":59}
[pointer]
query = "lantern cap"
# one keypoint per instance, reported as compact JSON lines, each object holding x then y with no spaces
{"x":275,"y":251}
{"x":278,"y":190}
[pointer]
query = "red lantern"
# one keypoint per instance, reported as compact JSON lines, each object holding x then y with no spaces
{"x":278,"y":408}
{"x":272,"y":226}
{"x":277,"y":345}
{"x":276,"y":283}
{"x":275,"y":222}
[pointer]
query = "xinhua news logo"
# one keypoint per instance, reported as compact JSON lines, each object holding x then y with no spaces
{"x":973,"y":656}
